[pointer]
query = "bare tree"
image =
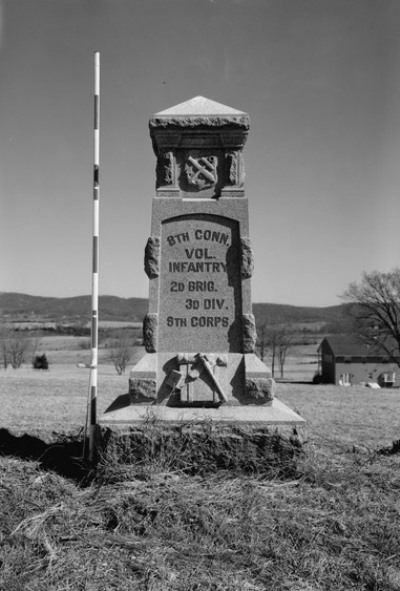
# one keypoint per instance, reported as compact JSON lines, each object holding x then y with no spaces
{"x":14,"y":347}
{"x":120,"y":351}
{"x":4,"y":346}
{"x":376,"y":310}
{"x":262,"y":340}
{"x":275,"y":339}
{"x":273,"y":342}
{"x":19,"y":346}
{"x":285,"y":341}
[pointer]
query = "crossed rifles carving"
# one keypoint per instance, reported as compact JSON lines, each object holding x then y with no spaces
{"x":199,"y":363}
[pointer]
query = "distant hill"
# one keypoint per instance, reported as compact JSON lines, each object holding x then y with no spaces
{"x":18,"y":306}
{"x":285,"y":314}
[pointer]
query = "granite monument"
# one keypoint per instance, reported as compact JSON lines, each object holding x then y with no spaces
{"x":200,"y":333}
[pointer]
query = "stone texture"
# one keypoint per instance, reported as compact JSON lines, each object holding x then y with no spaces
{"x":143,"y":379}
{"x":255,"y":368}
{"x":198,"y":145}
{"x":200,"y":285}
{"x":150,"y":330}
{"x":259,"y":390}
{"x":200,"y":111}
{"x":235,"y":168}
{"x":166,"y":169}
{"x":249,"y":333}
{"x":229,"y":375}
{"x":201,"y":169}
{"x":142,"y":390}
{"x":247,"y":260}
{"x":275,"y":413}
{"x":152,"y":257}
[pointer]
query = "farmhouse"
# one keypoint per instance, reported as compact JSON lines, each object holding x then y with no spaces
{"x":344,"y":360}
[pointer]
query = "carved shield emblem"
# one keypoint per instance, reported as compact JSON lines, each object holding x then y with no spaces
{"x":202,"y":172}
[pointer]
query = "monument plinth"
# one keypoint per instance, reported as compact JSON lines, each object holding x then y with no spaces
{"x":199,"y":332}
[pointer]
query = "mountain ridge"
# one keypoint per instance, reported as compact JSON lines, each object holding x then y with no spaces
{"x":16,"y":305}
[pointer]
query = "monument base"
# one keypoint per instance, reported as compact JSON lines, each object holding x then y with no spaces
{"x":245,"y":382}
{"x":275,"y":413}
{"x":180,"y":380}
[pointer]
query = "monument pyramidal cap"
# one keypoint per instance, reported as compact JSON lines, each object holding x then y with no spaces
{"x":199,"y":332}
{"x":199,"y":105}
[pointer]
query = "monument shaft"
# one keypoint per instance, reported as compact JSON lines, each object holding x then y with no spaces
{"x":199,"y":262}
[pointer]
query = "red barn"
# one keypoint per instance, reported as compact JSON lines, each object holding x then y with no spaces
{"x":346,"y":361}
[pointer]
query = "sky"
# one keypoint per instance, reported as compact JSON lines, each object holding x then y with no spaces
{"x":320,"y":80}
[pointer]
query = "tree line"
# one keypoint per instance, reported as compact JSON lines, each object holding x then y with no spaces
{"x":19,"y":347}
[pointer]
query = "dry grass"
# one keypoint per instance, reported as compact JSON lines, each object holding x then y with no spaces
{"x":70,"y":350}
{"x":345,"y":416}
{"x":335,"y":527}
{"x":330,"y":523}
{"x":54,"y":400}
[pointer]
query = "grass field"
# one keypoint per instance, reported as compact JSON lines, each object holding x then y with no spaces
{"x":55,"y":400}
{"x":332,"y":523}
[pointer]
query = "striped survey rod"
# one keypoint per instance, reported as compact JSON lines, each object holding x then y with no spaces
{"x":92,"y":412}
